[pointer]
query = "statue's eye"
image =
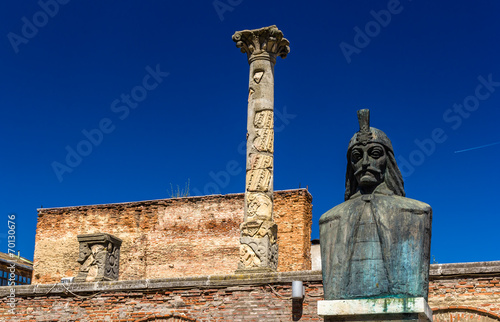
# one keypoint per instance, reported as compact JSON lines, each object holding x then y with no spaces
{"x":376,"y":152}
{"x":356,"y":156}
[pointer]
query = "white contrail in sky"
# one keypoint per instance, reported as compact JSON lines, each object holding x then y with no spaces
{"x":478,"y":147}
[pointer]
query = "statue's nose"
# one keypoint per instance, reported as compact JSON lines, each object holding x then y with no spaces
{"x":366,"y":161}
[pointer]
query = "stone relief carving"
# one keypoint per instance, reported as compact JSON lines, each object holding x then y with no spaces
{"x":99,"y":256}
{"x":264,"y":140}
{"x":260,"y":161}
{"x":270,"y":230}
{"x":273,"y":256}
{"x":113,"y":263}
{"x":260,"y":229}
{"x":258,"y":245}
{"x":248,"y":258}
{"x":250,"y":228}
{"x":257,"y":76}
{"x":260,"y":206}
{"x":256,"y":252}
{"x":258,"y":180}
{"x":264,"y":119}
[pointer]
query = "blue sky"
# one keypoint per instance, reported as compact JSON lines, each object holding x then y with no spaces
{"x":427,"y":70}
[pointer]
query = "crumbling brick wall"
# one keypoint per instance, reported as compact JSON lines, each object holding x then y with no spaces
{"x":170,"y":237}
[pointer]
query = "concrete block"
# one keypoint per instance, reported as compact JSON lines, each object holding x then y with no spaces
{"x":382,"y":309}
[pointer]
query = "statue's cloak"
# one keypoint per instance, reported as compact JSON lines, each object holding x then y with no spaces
{"x":403,"y":226}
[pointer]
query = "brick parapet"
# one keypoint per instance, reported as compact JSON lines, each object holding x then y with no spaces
{"x":438,"y":271}
{"x":207,"y":281}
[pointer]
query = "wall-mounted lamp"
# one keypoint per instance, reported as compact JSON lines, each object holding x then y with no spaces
{"x":298,"y":290}
{"x":67,"y":279}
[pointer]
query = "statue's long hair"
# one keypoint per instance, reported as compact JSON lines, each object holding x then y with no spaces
{"x":392,"y":177}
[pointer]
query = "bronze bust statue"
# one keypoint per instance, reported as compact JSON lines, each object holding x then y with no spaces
{"x":377,"y":243}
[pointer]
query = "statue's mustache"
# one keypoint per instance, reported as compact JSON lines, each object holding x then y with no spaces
{"x":376,"y":171}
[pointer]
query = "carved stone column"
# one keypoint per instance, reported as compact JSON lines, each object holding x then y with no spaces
{"x":99,"y":256}
{"x":258,"y":249}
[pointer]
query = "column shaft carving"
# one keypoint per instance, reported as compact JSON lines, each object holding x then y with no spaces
{"x":258,"y":246}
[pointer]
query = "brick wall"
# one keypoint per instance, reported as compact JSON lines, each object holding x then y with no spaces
{"x":259,"y":297}
{"x":170,"y":237}
{"x":294,"y":234}
{"x":465,"y":291}
{"x":266,"y":297}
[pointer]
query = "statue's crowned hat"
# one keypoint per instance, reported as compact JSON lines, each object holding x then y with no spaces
{"x":367,"y":134}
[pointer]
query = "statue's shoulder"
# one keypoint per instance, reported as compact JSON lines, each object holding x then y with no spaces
{"x":337,"y":212}
{"x":410,"y":204}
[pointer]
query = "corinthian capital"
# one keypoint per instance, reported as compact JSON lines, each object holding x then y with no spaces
{"x":263,"y":43}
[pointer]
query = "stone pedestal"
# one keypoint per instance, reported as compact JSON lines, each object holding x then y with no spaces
{"x":258,"y":246}
{"x":383,"y":309}
{"x":99,"y":256}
